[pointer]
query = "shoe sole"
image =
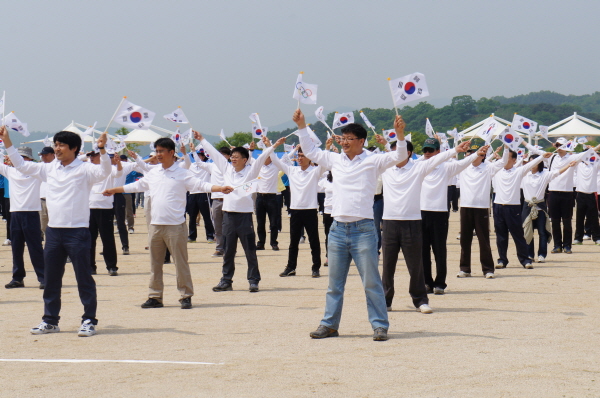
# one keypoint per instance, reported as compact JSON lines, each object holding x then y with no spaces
{"x":380,"y":338}
{"x":45,"y":332}
{"x":463,"y":276}
{"x":529,"y":266}
{"x":154,"y":306}
{"x":253,"y":290}
{"x":316,"y":336}
{"x":186,"y":307}
{"x":290,"y":274}
{"x":228,"y":289}
{"x":316,"y":276}
{"x":14,"y":287}
{"x":429,"y":311}
{"x":86,"y":334}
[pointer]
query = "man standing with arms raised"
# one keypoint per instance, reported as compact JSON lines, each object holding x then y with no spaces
{"x":69,"y":182}
{"x":352,"y":235}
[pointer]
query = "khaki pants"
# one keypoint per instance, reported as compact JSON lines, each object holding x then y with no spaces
{"x":129,"y":210}
{"x":174,"y":238}
{"x":44,"y":216}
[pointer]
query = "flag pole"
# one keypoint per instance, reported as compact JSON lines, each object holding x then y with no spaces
{"x":392,"y":93}
{"x":113,"y":116}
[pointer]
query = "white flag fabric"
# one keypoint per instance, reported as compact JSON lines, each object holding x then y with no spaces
{"x":367,"y":122}
{"x":177,"y":116}
{"x":247,"y":146}
{"x":199,"y":147}
{"x":88,"y":131}
{"x":452,"y":133}
{"x":258,"y":132}
{"x":429,"y":129}
{"x":261,"y":145}
{"x":488,"y":129}
{"x":2,"y":101}
{"x":443,"y":137}
{"x":47,"y":141}
{"x":186,"y":136}
{"x":328,"y":134}
{"x":568,"y":146}
{"x":120,"y":138}
{"x":409,"y":88}
{"x":321,"y":117}
{"x":582,"y":140}
{"x":510,"y":138}
{"x":314,"y":137}
{"x":110,"y":146}
{"x":459,"y":136}
{"x":390,"y":135}
{"x":288,"y":148}
{"x":176,"y":137}
{"x":520,"y":123}
{"x":304,"y":92}
{"x":247,"y":189}
{"x":12,"y":122}
{"x":254,"y":118}
{"x":342,"y":119}
{"x":544,"y":132}
{"x":133,"y":116}
{"x":151,"y":146}
{"x":222,"y":135}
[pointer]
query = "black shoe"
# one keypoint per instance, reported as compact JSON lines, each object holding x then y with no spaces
{"x":126,"y":251}
{"x":316,"y":274}
{"x":275,"y":247}
{"x":326,"y":264}
{"x":428,"y":289}
{"x":223,"y":287}
{"x":556,"y":250}
{"x":288,"y":272}
{"x":568,"y":250}
{"x":152,"y":303}
{"x":112,"y":272}
{"x":102,"y":253}
{"x":14,"y":284}
{"x":323,"y":332}
{"x":253,"y":288}
{"x":186,"y":303}
{"x":42,"y":286}
{"x":260,"y":247}
{"x":380,"y":334}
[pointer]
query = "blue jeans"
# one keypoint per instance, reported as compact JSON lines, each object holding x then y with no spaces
{"x":377,"y":217}
{"x":539,"y":224}
{"x":358,"y":241}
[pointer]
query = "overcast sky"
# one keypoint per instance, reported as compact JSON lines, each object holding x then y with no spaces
{"x":220,"y":61}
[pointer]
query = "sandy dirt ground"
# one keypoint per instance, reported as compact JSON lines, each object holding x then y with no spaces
{"x":527,"y":333}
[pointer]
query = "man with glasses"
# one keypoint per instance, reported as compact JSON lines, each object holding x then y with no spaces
{"x":352,"y":235}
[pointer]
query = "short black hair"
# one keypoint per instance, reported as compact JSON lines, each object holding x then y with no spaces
{"x":225,"y":150}
{"x":166,"y":143}
{"x":540,"y":166}
{"x":409,"y":146}
{"x":300,"y":150}
{"x":329,"y":176}
{"x":356,"y":129}
{"x":71,"y":139}
{"x":513,"y":154}
{"x":242,"y":151}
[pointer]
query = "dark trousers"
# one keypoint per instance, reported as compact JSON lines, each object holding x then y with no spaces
{"x":540,"y":224}
{"x":239,"y":226}
{"x":199,"y":203}
{"x":327,"y":221}
{"x":2,"y":202}
{"x":405,"y":235}
{"x":435,"y":234}
{"x":321,"y":201}
{"x":267,"y":204}
{"x":507,"y":219}
{"x":453,"y":195}
{"x":75,"y":243}
{"x":304,"y":219}
{"x":560,"y":209}
{"x":279,"y":207}
{"x":101,"y":222}
{"x":26,"y":229}
{"x":377,"y":216}
{"x":119,"y":208}
{"x":7,"y":214}
{"x":472,"y":218}
{"x":586,"y":216}
{"x":286,"y":198}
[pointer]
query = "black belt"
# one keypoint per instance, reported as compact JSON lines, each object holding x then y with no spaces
{"x":264,"y":194}
{"x":378,"y":197}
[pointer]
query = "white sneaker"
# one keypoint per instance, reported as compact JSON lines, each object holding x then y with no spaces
{"x":463,"y":274}
{"x":529,"y":266}
{"x":425,"y":309}
{"x":131,"y":230}
{"x":302,"y":239}
{"x":490,"y":275}
{"x":458,"y":237}
{"x":500,"y":265}
{"x":389,"y":308}
{"x":438,"y":290}
{"x":598,"y":242}
{"x":541,"y":259}
{"x":87,"y":329}
{"x":6,"y":242}
{"x":44,"y":328}
{"x":586,"y":237}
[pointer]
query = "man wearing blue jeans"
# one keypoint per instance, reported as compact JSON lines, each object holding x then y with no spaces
{"x":352,"y":235}
{"x":69,"y":182}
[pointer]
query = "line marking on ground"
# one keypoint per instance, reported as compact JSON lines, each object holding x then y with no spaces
{"x":109,"y":360}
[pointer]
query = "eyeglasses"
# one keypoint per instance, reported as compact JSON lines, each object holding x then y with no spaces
{"x":235,"y":157}
{"x":342,"y":139}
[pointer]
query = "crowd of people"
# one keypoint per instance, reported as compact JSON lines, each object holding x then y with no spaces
{"x":374,"y":205}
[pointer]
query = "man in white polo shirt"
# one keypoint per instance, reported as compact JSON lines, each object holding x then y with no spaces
{"x":68,"y":193}
{"x":25,"y":220}
{"x":304,"y":180}
{"x":170,"y":184}
{"x":352,"y":235}
{"x":586,"y":186}
{"x":402,"y":222}
{"x":267,"y":204}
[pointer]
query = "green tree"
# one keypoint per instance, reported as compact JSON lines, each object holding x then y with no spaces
{"x":237,"y":139}
{"x":465,"y":106}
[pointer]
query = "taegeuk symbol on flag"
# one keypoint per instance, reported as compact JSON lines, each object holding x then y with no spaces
{"x":409,"y":88}
{"x":133,"y":116}
{"x":390,"y":135}
{"x":342,"y":119}
{"x":510,"y":138}
{"x":12,"y":122}
{"x":523,"y":124}
{"x":488,"y":129}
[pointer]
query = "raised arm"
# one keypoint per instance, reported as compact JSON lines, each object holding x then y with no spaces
{"x":217,"y":157}
{"x":280,"y":164}
{"x":27,"y":168}
{"x":309,"y":149}
{"x":260,"y":161}
{"x":499,"y":165}
{"x":389,"y":159}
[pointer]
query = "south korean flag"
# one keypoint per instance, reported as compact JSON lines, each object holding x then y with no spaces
{"x":342,"y":119}
{"x":520,"y":123}
{"x":177,"y":116}
{"x":409,"y":88}
{"x":12,"y":122}
{"x":390,"y":135}
{"x":133,"y":116}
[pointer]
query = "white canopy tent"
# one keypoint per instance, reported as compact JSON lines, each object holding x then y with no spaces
{"x":470,"y":132}
{"x":142,"y":137}
{"x":574,"y":126}
{"x":73,"y":128}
